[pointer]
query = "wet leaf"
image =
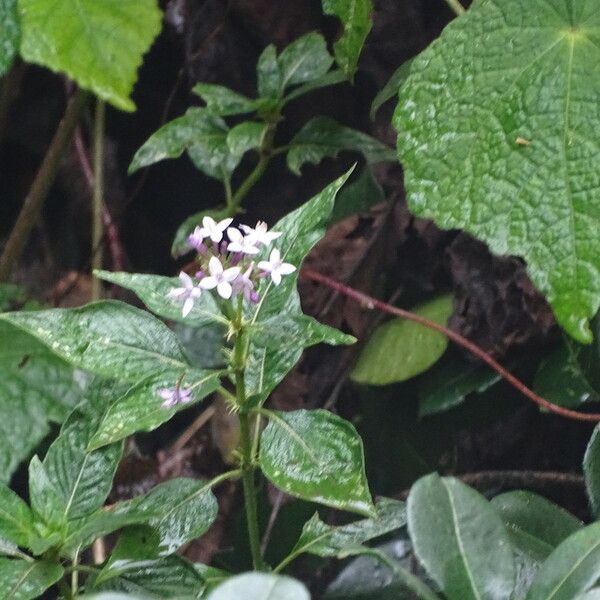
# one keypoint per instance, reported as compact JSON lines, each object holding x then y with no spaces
{"x":260,"y":586}
{"x":45,"y":497}
{"x":591,"y":470}
{"x":26,"y":580}
{"x":246,"y":136}
{"x":268,"y":73}
{"x":99,"y":45}
{"x":16,"y":518}
{"x":11,"y":32}
{"x":316,"y":456}
{"x":222,"y":101}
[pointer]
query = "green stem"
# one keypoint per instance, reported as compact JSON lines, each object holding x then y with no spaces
{"x":41,"y":185}
{"x":457,"y":7}
{"x":98,"y":200}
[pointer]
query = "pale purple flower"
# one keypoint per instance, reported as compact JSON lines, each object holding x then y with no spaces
{"x":188,"y":293}
{"x":219,"y":278}
{"x":241,"y":243}
{"x":276,"y":267}
{"x":196,"y":239}
{"x":260,"y":233}
{"x":174,"y":396}
{"x":213,"y":230}
{"x":244,"y":285}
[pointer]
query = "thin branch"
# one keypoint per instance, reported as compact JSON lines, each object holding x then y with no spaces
{"x":456,"y":7}
{"x":98,"y":197}
{"x":372,"y":303}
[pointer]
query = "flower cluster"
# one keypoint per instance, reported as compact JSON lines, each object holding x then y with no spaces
{"x":226,"y":262}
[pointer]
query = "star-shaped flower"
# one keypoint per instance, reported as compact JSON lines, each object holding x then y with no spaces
{"x":244,"y":285}
{"x":188,"y":293}
{"x":260,"y":233}
{"x":276,"y":267}
{"x":219,"y":278}
{"x":174,"y":396}
{"x":213,"y":230}
{"x":241,"y":243}
{"x":196,"y":239}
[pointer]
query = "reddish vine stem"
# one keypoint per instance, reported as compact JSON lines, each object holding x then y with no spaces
{"x":372,"y":303}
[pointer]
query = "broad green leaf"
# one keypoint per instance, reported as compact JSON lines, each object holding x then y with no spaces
{"x":322,"y":137}
{"x":391,"y":88}
{"x":222,"y":101}
{"x":246,"y":136}
{"x":460,"y":540}
{"x":100,"y":45}
{"x":260,"y":586}
{"x":153,"y":291}
{"x":331,"y":78}
{"x":591,"y":595}
{"x":203,"y":345}
{"x":10,"y":34}
{"x":180,"y":243}
{"x":108,"y":338}
{"x":26,"y":580}
{"x":36,"y":388}
{"x":400,"y":349}
{"x":16,"y":518}
{"x":268,"y":73}
{"x":141,"y":408}
{"x":357,"y":196}
{"x":355,"y":16}
{"x":305,"y":59}
{"x":591,"y":470}
{"x":572,"y":568}
{"x":327,"y":540}
{"x":535,"y":524}
{"x":317,"y":456}
{"x":519,"y":171}
{"x":45,"y":497}
{"x":200,"y":133}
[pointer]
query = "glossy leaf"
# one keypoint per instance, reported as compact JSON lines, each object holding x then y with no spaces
{"x":331,"y":78}
{"x":16,"y":518}
{"x":45,"y":497}
{"x":591,"y":470}
{"x":9,"y":42}
{"x":246,"y":136}
{"x":153,"y":291}
{"x":260,"y":586}
{"x":572,"y":568}
{"x":521,"y":170}
{"x":317,"y":456}
{"x":327,"y":540}
{"x":460,"y":540}
{"x":355,"y":16}
{"x":200,"y":133}
{"x":222,"y":101}
{"x":591,"y":595}
{"x":305,"y":59}
{"x":535,"y":524}
{"x":26,"y":580}
{"x":391,"y":88}
{"x":100,"y":45}
{"x":268,"y":73}
{"x":358,"y":196}
{"x":401,"y":349}
{"x":322,"y":137}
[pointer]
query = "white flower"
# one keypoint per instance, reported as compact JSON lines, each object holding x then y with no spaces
{"x":276,"y":267}
{"x":174,"y":396}
{"x":189,"y":293}
{"x":240,"y":243}
{"x":219,"y":278}
{"x":196,"y":239}
{"x":259,"y":234}
{"x":210,"y":228}
{"x":244,"y":285}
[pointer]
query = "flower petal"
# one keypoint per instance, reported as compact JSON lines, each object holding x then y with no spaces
{"x":224,"y":290}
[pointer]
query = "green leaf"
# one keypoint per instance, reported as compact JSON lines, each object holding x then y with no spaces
{"x":25,"y":580}
{"x":268,"y":73}
{"x":222,"y":101}
{"x":100,"y":45}
{"x":317,"y":456}
{"x":332,"y":78}
{"x":11,"y":32}
{"x":535,"y":524}
{"x":573,"y":567}
{"x":591,"y":595}
{"x":460,"y":540}
{"x":400,"y":349}
{"x":391,"y":88}
{"x":16,"y":518}
{"x":141,"y":408}
{"x":591,"y":470}
{"x":153,"y":291}
{"x":45,"y":497}
{"x":326,"y":540}
{"x":322,"y":137}
{"x":260,"y":586}
{"x":355,"y":16}
{"x":358,"y":195}
{"x":518,"y":171}
{"x":202,"y":134}
{"x":246,"y":136}
{"x":305,"y":59}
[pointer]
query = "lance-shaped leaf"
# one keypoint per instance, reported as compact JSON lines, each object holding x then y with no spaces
{"x":391,"y":88}
{"x":202,"y":134}
{"x":355,"y":16}
{"x":26,"y":580}
{"x":591,"y":470}
{"x":246,"y":136}
{"x":317,"y":456}
{"x":322,"y":137}
{"x":268,"y":73}
{"x":521,"y":170}
{"x":9,"y":42}
{"x":460,"y":540}
{"x":45,"y":497}
{"x":222,"y":101}
{"x":100,"y":45}
{"x":573,"y":567}
{"x":305,"y":59}
{"x":16,"y":518}
{"x":260,"y":586}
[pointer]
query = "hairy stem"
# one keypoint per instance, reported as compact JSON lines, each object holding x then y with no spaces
{"x":457,"y":7}
{"x":98,"y":200}
{"x":41,"y":185}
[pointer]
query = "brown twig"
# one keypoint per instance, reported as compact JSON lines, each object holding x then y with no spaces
{"x":372,"y":304}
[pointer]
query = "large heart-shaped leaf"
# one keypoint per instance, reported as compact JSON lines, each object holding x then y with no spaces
{"x":315,"y":455}
{"x":26,"y":580}
{"x":98,"y":44}
{"x":260,"y":586}
{"x":9,"y":40}
{"x":497,"y":127}
{"x":460,"y":540}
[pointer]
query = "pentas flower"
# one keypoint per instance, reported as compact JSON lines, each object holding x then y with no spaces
{"x":213,"y":230}
{"x":244,"y":285}
{"x":174,"y":396}
{"x":275,"y":267}
{"x":219,"y":278}
{"x":188,"y":293}
{"x":196,"y":240}
{"x":260,"y":233}
{"x":241,"y":243}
